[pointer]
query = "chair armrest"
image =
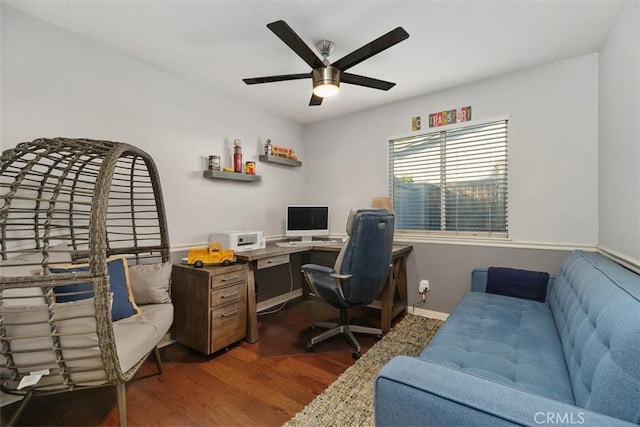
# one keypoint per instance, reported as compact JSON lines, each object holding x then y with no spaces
{"x":327,"y":275}
{"x":413,"y":391}
{"x":341,"y":276}
{"x":320,"y":269}
{"x":315,"y":268}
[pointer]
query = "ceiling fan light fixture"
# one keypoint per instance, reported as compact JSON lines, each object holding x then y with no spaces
{"x":326,"y":81}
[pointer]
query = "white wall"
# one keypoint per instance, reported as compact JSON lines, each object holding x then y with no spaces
{"x":553,"y":111}
{"x":553,"y":187}
{"x":619,"y":137}
{"x":55,"y":83}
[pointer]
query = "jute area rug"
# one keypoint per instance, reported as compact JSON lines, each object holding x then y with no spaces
{"x":349,"y":400}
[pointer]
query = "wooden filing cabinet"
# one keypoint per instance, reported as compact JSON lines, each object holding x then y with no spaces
{"x":210,"y":306}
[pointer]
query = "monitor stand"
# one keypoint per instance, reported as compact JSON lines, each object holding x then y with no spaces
{"x":304,"y":241}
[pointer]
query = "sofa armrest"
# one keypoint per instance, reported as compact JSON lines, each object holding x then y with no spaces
{"x":412,"y":391}
{"x":479,"y":281}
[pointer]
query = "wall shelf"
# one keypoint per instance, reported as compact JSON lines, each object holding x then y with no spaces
{"x":234,"y":176}
{"x":270,"y":158}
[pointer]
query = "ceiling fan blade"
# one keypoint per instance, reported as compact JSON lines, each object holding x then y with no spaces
{"x":355,"y":79}
{"x":315,"y":100}
{"x":281,"y":78}
{"x":367,"y":51}
{"x":291,"y":39}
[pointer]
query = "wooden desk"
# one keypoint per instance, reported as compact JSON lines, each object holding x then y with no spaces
{"x":394,"y":293}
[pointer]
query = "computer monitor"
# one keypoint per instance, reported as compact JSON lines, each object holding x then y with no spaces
{"x":306,"y":221}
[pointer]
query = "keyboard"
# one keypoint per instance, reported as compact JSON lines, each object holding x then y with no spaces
{"x":294,"y":243}
{"x":312,"y":243}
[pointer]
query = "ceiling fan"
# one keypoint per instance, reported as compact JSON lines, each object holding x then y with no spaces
{"x":326,"y":76}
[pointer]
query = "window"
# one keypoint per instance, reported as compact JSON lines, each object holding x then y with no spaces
{"x":451,"y":181}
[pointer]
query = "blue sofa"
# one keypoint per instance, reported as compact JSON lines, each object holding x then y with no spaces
{"x":497,"y":360}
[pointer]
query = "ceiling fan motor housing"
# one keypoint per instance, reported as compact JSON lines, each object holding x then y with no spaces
{"x":325,"y":76}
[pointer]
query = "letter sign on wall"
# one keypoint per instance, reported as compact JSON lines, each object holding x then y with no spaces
{"x":443,"y":118}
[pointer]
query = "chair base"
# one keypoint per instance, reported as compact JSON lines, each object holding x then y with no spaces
{"x":342,"y":328}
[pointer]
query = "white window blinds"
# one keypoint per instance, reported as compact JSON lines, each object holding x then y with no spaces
{"x":451,"y":181}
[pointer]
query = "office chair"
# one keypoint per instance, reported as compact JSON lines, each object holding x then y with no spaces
{"x":359,"y":273}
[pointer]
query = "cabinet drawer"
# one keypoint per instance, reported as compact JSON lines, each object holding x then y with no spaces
{"x":273,"y":261}
{"x":228,"y":278}
{"x":228,"y":294}
{"x":228,"y":324}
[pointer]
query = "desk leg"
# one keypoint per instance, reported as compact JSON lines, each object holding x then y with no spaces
{"x":400,"y":272}
{"x":387,"y":303}
{"x":252,"y":312}
{"x":396,"y":285}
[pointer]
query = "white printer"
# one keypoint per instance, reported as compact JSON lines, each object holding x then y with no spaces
{"x":239,"y":240}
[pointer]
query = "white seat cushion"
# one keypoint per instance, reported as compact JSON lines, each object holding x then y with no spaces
{"x":138,"y":335}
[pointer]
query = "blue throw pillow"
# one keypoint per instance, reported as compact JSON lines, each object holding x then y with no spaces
{"x":123,"y":304}
{"x":517,"y":283}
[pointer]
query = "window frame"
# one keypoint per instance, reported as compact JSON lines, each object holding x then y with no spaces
{"x":480,"y":235}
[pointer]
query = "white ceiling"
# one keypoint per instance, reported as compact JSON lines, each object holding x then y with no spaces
{"x":217,"y":43}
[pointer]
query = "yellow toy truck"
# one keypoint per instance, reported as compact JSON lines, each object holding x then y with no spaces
{"x":213,"y":254}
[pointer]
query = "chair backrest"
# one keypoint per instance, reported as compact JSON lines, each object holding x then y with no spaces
{"x":89,"y":200}
{"x":367,"y":254}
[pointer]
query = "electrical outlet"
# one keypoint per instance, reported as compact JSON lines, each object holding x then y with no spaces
{"x":423,"y":286}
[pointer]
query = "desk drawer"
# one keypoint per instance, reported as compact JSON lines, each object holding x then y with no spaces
{"x":228,"y":294}
{"x":228,"y":324}
{"x":273,"y":261}
{"x":228,"y":278}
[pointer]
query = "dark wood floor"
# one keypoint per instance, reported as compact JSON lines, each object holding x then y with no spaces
{"x":264,"y":384}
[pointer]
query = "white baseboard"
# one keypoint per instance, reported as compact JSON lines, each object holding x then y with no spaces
{"x":428,"y":313}
{"x":277,"y":300}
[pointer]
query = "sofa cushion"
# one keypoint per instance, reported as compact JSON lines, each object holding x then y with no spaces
{"x":28,"y":336}
{"x":136,"y":336}
{"x":30,"y":263}
{"x":596,"y":305}
{"x":513,"y":282}
{"x":509,"y":340}
{"x":123,"y":304}
{"x":150,"y":282}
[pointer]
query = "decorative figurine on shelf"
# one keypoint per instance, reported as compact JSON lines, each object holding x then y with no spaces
{"x":212,"y":254}
{"x":267,"y":147}
{"x":250,"y":168}
{"x":237,"y":156}
{"x":214,"y":163}
{"x":285,"y":152}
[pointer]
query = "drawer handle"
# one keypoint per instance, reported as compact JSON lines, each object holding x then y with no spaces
{"x":232,"y":294}
{"x":226,"y":279}
{"x":235,"y":310}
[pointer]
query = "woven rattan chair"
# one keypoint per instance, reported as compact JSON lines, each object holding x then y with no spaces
{"x":74,"y":200}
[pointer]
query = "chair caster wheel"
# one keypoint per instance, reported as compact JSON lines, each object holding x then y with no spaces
{"x":378,"y":337}
{"x":355,"y":355}
{"x":311,"y":348}
{"x":313,"y":328}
